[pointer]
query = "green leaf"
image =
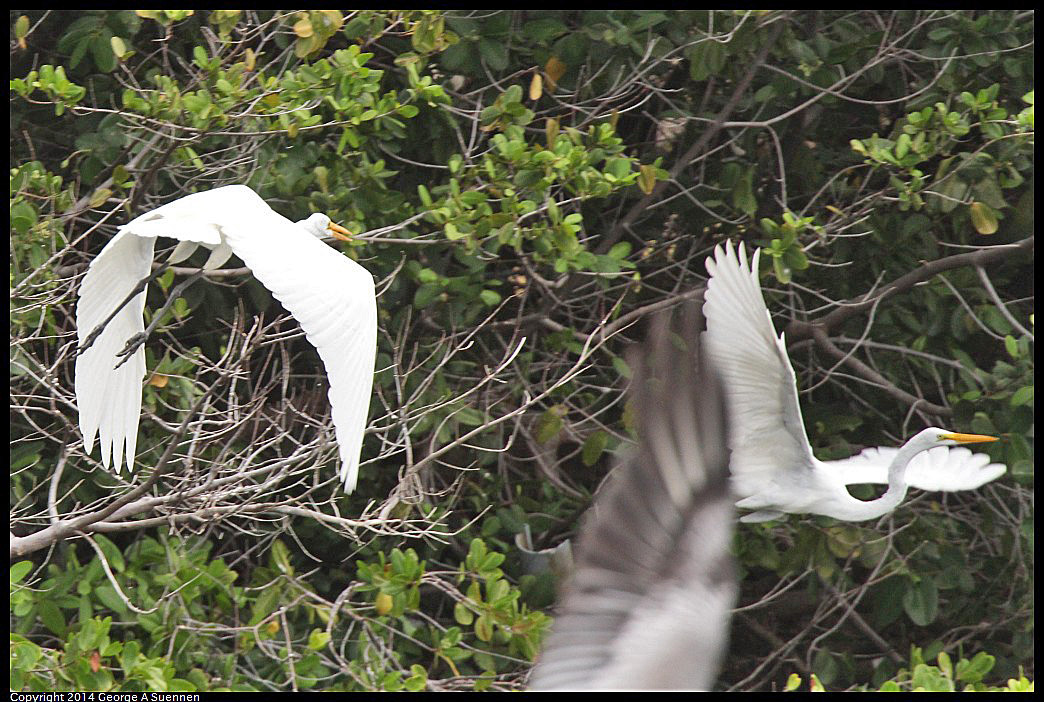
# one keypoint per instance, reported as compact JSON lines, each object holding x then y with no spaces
{"x":646,"y":178}
{"x":620,"y":251}
{"x":795,"y":258}
{"x":593,"y":448}
{"x":119,"y":48}
{"x":706,"y":59}
{"x":451,"y":232}
{"x":484,"y":627}
{"x":107,"y":594}
{"x":494,"y":53}
{"x":265,"y":604}
{"x":743,"y":194}
{"x":618,"y":167}
{"x":99,"y":197}
{"x":975,"y":670}
{"x":462,"y":614}
{"x":280,"y":555}
{"x":23,"y":216}
{"x":112,"y":552}
{"x":318,"y":639}
{"x":52,"y":617}
{"x":921,"y":602}
{"x":783,"y":273}
{"x":550,"y":424}
{"x":1022,"y":396}
{"x":1011,"y":346}
{"x":544,"y":30}
{"x":20,"y":570}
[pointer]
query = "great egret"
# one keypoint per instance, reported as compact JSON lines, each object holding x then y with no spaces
{"x":773,"y":469}
{"x":331,"y":296}
{"x":654,"y":585}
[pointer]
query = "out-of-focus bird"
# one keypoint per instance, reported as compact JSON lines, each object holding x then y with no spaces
{"x":649,"y":604}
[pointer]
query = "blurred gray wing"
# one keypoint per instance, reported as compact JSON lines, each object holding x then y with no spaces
{"x":650,"y":601}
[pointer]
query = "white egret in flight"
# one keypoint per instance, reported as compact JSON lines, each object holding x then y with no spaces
{"x":330,"y":295}
{"x":773,"y":469}
{"x":649,"y":603}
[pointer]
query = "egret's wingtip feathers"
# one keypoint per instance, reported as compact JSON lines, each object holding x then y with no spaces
{"x":350,"y":476}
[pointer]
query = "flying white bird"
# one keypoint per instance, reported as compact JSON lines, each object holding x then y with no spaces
{"x":649,"y":604}
{"x":773,"y":469}
{"x":330,"y":295}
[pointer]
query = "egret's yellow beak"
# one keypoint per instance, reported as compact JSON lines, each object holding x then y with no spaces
{"x":968,"y":438}
{"x":339,"y":232}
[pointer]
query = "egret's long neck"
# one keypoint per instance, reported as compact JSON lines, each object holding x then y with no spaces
{"x":859,"y":510}
{"x":897,"y":485}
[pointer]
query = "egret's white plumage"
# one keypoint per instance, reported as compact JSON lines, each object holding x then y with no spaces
{"x":649,"y":604}
{"x":773,"y":469}
{"x":939,"y":469}
{"x":330,"y":295}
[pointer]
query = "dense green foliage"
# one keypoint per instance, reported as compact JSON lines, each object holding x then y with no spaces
{"x":526,"y":187}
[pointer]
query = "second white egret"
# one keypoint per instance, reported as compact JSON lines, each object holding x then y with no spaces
{"x":773,"y":469}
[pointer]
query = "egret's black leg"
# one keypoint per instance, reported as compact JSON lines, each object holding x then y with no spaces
{"x":142,"y":284}
{"x":138,"y":339}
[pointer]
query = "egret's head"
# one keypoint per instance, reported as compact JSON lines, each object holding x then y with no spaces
{"x":319,"y":225}
{"x":942,"y":437}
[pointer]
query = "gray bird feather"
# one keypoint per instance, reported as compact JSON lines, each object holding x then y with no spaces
{"x":650,"y":601}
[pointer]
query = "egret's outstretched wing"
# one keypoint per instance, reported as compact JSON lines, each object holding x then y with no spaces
{"x":110,"y":400}
{"x":649,"y":604}
{"x":941,"y":468}
{"x":199,"y":217}
{"x":769,"y":444}
{"x":333,"y":299}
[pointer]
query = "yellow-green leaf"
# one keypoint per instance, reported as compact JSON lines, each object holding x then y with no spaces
{"x":318,"y":639}
{"x":22,"y":30}
{"x":593,"y":448}
{"x":303,"y":28}
{"x":99,"y":197}
{"x":646,"y":178}
{"x":983,"y":218}
{"x":551,"y":129}
{"x":452,"y":233}
{"x":484,"y":628}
